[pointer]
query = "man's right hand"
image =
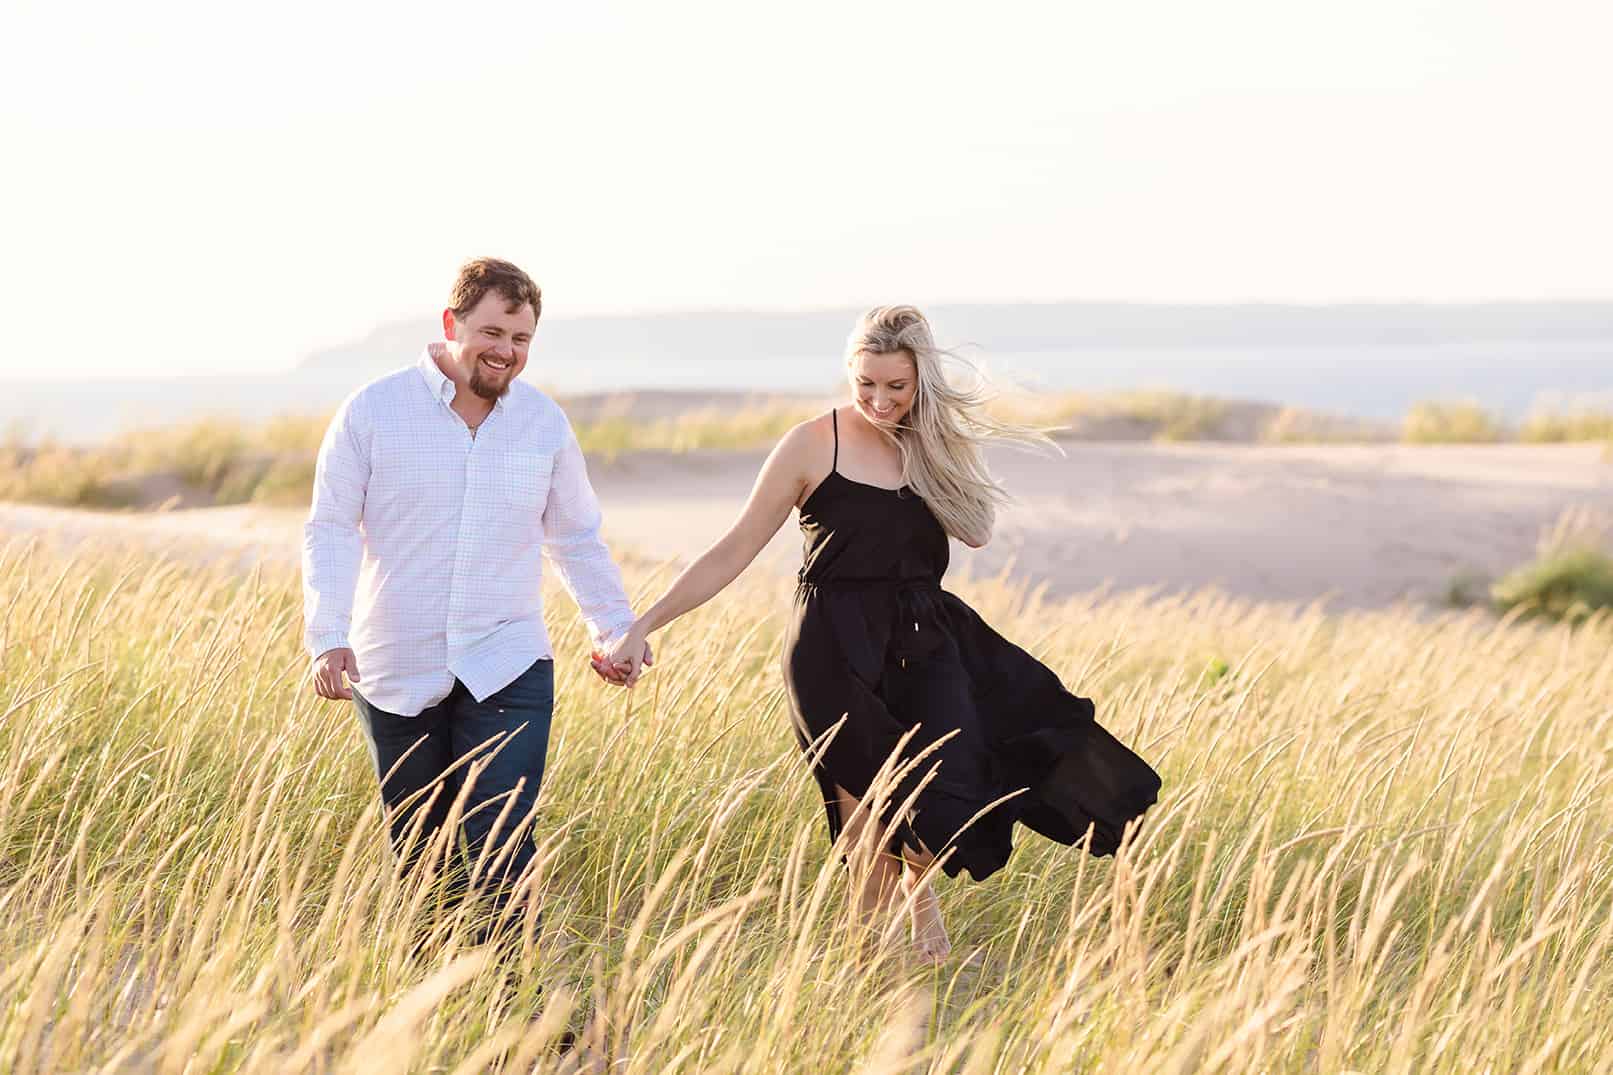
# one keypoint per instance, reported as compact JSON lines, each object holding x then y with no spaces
{"x":328,"y":670}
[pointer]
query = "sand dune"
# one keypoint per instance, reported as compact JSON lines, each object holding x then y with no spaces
{"x":1366,"y":524}
{"x":1363,"y":525}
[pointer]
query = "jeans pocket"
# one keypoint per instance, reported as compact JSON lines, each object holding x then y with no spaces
{"x":532,"y":689}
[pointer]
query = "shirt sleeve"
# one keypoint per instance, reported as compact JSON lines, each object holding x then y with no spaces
{"x":571,"y":521}
{"x":332,"y":547}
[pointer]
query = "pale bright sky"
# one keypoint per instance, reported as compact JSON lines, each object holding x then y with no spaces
{"x":219,"y":187}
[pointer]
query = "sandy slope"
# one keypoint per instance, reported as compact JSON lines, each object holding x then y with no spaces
{"x":1366,"y":524}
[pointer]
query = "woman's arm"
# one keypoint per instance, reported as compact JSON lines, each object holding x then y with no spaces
{"x":778,"y":487}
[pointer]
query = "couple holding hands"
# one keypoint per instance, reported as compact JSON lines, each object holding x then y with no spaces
{"x":441,"y":487}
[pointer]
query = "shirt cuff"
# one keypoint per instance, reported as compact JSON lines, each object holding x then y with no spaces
{"x":606,"y":637}
{"x":325,"y":642}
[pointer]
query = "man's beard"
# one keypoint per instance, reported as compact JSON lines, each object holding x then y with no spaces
{"x":486,"y":389}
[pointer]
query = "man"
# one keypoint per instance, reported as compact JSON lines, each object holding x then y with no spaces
{"x":438,"y":489}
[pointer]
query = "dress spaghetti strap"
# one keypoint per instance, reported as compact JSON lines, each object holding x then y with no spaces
{"x":834,"y":420}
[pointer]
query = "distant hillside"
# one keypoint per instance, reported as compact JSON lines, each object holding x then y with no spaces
{"x":726,"y":335}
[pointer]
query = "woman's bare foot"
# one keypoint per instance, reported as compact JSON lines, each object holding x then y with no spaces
{"x":930,"y":941}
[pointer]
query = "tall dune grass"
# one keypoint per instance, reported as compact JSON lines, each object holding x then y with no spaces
{"x":210,"y":460}
{"x":1554,"y":420}
{"x":1464,"y":422}
{"x":217,"y":461}
{"x":1155,"y":414}
{"x":1558,"y":420}
{"x":1383,"y":845}
{"x":705,"y":428}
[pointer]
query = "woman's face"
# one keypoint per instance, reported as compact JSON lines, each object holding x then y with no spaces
{"x":883,"y":385}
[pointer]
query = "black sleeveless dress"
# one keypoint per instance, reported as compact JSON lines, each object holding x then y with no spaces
{"x":875,"y":640}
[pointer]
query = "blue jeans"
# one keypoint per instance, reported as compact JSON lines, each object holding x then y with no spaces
{"x":442,"y":735}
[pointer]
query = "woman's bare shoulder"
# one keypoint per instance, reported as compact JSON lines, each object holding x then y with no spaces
{"x":802,"y":457}
{"x":807,"y":440}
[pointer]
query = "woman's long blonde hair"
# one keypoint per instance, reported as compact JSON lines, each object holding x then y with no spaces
{"x":943,"y":434}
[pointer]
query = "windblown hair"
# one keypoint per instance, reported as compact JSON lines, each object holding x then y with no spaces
{"x":943,"y":434}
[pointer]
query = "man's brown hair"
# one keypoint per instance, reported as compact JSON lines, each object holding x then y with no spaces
{"x":481,"y":275}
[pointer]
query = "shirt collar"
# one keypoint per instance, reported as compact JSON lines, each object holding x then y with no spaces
{"x":442,"y":387}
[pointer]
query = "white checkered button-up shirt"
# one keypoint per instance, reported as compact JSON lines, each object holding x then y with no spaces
{"x":423,"y":549}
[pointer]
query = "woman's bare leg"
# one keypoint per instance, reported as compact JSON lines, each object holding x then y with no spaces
{"x":929,"y":930}
{"x":885,"y":878}
{"x":876,"y":874}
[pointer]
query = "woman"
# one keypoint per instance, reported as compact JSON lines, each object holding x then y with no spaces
{"x":882,"y":664}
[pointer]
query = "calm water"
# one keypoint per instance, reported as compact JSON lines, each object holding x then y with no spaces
{"x":1380,"y":381}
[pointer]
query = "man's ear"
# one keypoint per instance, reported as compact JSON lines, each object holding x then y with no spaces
{"x":449,"y":322}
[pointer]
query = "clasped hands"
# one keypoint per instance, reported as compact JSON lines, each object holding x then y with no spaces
{"x":624,"y":662}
